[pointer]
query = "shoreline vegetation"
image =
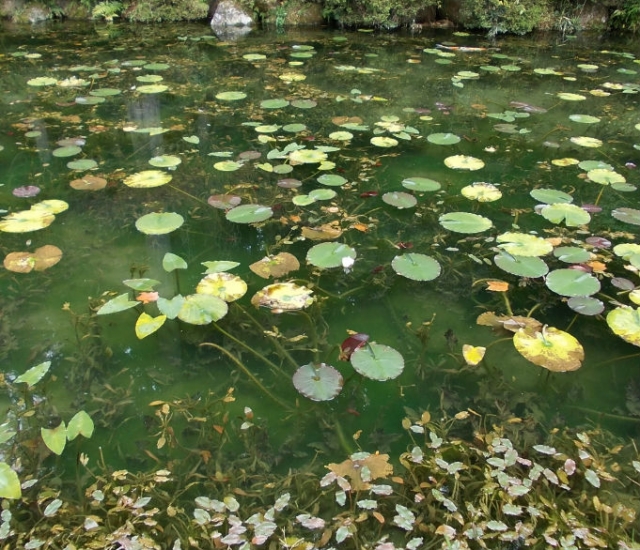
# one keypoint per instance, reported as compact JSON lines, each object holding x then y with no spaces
{"x":493,"y":16}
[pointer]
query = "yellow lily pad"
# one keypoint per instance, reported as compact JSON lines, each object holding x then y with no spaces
{"x":481,"y":191}
{"x":147,"y":179}
{"x":473,"y":354}
{"x":281,"y":297}
{"x":26,"y":221}
{"x":463,"y":162}
{"x":226,"y":286}
{"x":625,"y":322}
{"x":146,"y":324}
{"x":550,"y":348}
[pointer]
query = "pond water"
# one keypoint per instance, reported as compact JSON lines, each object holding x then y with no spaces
{"x":420,"y":181}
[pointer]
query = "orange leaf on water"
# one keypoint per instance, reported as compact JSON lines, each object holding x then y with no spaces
{"x":147,"y":297}
{"x":497,"y":286}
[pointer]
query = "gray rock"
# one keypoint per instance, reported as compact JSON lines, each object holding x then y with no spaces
{"x":230,"y":14}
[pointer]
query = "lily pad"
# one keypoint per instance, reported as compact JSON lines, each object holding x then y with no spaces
{"x":627,"y":215}
{"x":33,"y":375}
{"x":318,"y":382}
{"x":159,"y":223}
{"x":328,"y":255}
{"x":572,"y":215}
{"x":202,"y":309}
{"x":42,"y":258}
{"x":307,"y":156}
{"x":224,"y":285}
{"x":572,"y":282}
{"x":421,"y":184}
{"x":465,"y":222}
{"x":249,"y":213}
{"x":377,"y":361}
{"x":275,"y":266}
{"x":586,"y":141}
{"x":274,"y":103}
{"x":105,"y":92}
{"x":152,"y":88}
{"x":231,"y":96}
{"x":26,"y":221}
{"x":224,"y":202}
{"x":228,"y":166}
{"x":147,"y":179}
{"x":571,"y":97}
{"x":584,"y":119}
{"x":482,"y":192}
{"x":80,"y":424}
{"x":219,"y":265}
{"x":171,"y":262}
{"x":341,"y":135}
{"x":171,"y":308}
{"x":522,"y":266}
{"x":572,"y":254}
{"x":550,"y":348}
{"x":523,"y":244}
{"x":551,"y":196}
{"x":42,"y":81}
{"x":605,"y":177}
{"x":283,"y":297}
{"x":117,"y":304}
{"x":383,"y":141}
{"x":400,"y":199}
{"x":586,"y":305}
{"x":55,"y":438}
{"x":417,"y":267}
{"x":67,"y":151}
{"x":443,"y":139}
{"x":332,"y":180}
{"x":463,"y":162}
{"x":82,"y":164}
{"x":625,"y":322}
{"x":165,"y":161}
{"x":147,"y":325}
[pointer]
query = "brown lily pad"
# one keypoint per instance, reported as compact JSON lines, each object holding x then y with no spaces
{"x":275,"y":266}
{"x":39,"y":260}
{"x":510,"y":323}
{"x":89,"y":183}
{"x":377,"y":467}
{"x":324,"y":232}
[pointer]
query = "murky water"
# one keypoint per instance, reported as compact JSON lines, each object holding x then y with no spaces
{"x":511,"y":105}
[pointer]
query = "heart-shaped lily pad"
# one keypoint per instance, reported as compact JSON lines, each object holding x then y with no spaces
{"x":572,"y":282}
{"x":165,"y":161}
{"x":202,"y":309}
{"x":275,"y":266}
{"x":571,"y":214}
{"x":463,"y":162}
{"x":523,"y":244}
{"x":249,"y":213}
{"x":481,"y":191}
{"x":417,"y":267}
{"x":522,"y":266}
{"x":377,"y":361}
{"x":443,"y":139}
{"x":328,"y":255}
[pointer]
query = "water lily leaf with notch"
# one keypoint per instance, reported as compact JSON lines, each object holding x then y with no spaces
{"x":42,"y":81}
{"x":67,"y":151}
{"x":33,"y":375}
{"x":551,"y":196}
{"x":509,"y":323}
{"x":275,"y":266}
{"x":383,"y":141}
{"x":400,"y":199}
{"x":105,"y":92}
{"x":550,"y":348}
{"x":230,"y":96}
{"x":523,"y":244}
{"x":156,"y":66}
{"x":228,"y":166}
{"x":307,"y":156}
{"x":142,"y":284}
{"x":572,"y":254}
{"x":219,"y":265}
{"x":473,"y":355}
{"x":294,"y":128}
{"x":322,"y":194}
{"x":377,"y":361}
{"x":627,"y":215}
{"x":572,"y":215}
{"x":82,"y":164}
{"x":342,"y":135}
{"x":165,"y":161}
{"x":249,"y":213}
{"x":159,"y":223}
{"x":328,"y":255}
{"x":9,"y":482}
{"x":420,"y":184}
{"x":318,"y":382}
{"x":171,"y":262}
{"x":463,"y":162}
{"x":417,"y":267}
{"x":202,"y":309}
{"x":588,"y":165}
{"x":625,"y":322}
{"x":303,"y":200}
{"x":80,"y":424}
{"x":572,"y":282}
{"x":224,"y":285}
{"x":443,"y":139}
{"x":50,"y":206}
{"x":465,"y":222}
{"x":117,"y":304}
{"x":522,"y":266}
{"x":571,"y":97}
{"x":481,"y":191}
{"x":55,"y":438}
{"x":586,"y":305}
{"x":171,"y":308}
{"x":146,"y":324}
{"x":42,"y":258}
{"x":304,"y":103}
{"x":605,"y":177}
{"x":332,"y":180}
{"x":586,"y":141}
{"x":147,"y":179}
{"x":224,"y":202}
{"x":193,"y":140}
{"x":283,"y":297}
{"x":274,"y":103}
{"x":152,"y":88}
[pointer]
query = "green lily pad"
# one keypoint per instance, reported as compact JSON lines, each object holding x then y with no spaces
{"x":152,"y":88}
{"x":550,"y":348}
{"x":328,"y":255}
{"x":318,"y":382}
{"x":523,"y":244}
{"x":193,"y":140}
{"x":67,"y":151}
{"x":417,"y":267}
{"x":572,"y":282}
{"x":55,"y":438}
{"x":171,"y":308}
{"x":9,"y":482}
{"x":586,"y":305}
{"x":165,"y":161}
{"x":400,"y":199}
{"x":42,"y":81}
{"x":584,"y":119}
{"x":383,"y":141}
{"x":249,"y":213}
{"x":219,"y":265}
{"x":304,"y":103}
{"x":341,"y":135}
{"x":443,"y":139}
{"x":571,"y":97}
{"x":572,"y":254}
{"x":551,"y":196}
{"x":80,"y":424}
{"x":421,"y":184}
{"x":117,"y":304}
{"x":231,"y":96}
{"x":202,"y":309}
{"x":156,"y":66}
{"x":572,"y":215}
{"x":33,"y":375}
{"x":82,"y":164}
{"x":267,"y":128}
{"x":228,"y":165}
{"x":307,"y":156}
{"x":332,"y":180}
{"x":254,"y":56}
{"x":105,"y":92}
{"x":482,"y":192}
{"x":147,"y":179}
{"x":588,"y":165}
{"x":586,"y":141}
{"x":225,"y":286}
{"x":294,"y":128}
{"x":322,"y":194}
{"x":303,"y":200}
{"x":626,"y":215}
{"x":159,"y":223}
{"x":463,"y":162}
{"x":149,"y":78}
{"x":465,"y":222}
{"x":171,"y":262}
{"x":522,"y":266}
{"x":605,"y":177}
{"x":143,"y":284}
{"x":274,"y":103}
{"x":377,"y":361}
{"x":625,"y":322}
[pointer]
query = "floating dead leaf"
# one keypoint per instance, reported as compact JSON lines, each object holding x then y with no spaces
{"x":361,"y":468}
{"x":275,"y":266}
{"x":511,"y":323}
{"x":281,"y":297}
{"x":340,"y":120}
{"x":89,"y":183}
{"x":42,"y":258}
{"x":324,"y":232}
{"x":497,"y":286}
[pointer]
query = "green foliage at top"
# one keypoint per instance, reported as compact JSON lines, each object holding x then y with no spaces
{"x":627,"y":16}
{"x":503,"y":16}
{"x":157,"y":11}
{"x":378,"y":13}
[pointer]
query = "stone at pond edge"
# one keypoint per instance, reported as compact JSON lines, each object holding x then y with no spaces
{"x":230,"y":14}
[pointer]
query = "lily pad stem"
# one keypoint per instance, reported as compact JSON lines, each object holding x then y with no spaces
{"x":606,"y":414}
{"x":507,"y":303}
{"x":248,"y":373}
{"x":187,"y":194}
